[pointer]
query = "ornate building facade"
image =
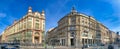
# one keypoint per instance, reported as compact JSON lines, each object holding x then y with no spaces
{"x":113,"y":37}
{"x":76,"y":29}
{"x":29,"y":29}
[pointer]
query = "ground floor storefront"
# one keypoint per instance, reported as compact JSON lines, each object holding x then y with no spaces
{"x":74,"y":42}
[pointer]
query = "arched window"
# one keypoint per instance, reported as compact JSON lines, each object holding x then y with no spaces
{"x":36,"y":33}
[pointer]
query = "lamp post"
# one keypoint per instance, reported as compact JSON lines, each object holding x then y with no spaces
{"x":44,"y":40}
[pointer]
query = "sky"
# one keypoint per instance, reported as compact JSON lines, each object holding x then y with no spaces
{"x":106,"y":12}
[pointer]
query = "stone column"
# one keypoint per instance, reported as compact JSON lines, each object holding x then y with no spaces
{"x":87,"y":41}
{"x":92,"y":41}
{"x":68,"y":40}
{"x":33,"y":37}
{"x":40,"y":37}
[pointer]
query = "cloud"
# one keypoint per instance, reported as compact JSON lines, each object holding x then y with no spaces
{"x":2,"y":27}
{"x":56,"y":14}
{"x":6,"y":22}
{"x":116,"y":29}
{"x":3,"y":15}
{"x":114,"y":19}
{"x":11,"y":19}
{"x":116,"y":7}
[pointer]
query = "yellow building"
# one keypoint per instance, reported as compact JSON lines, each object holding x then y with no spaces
{"x":29,"y":29}
{"x":76,"y":29}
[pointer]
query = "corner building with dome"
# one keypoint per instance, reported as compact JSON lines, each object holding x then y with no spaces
{"x":29,"y":29}
{"x":76,"y":29}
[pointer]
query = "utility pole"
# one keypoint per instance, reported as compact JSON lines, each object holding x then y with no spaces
{"x":44,"y":40}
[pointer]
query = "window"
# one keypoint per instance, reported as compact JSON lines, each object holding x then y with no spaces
{"x":37,"y":16}
{"x":72,"y":28}
{"x":37,"y":20}
{"x":17,"y":27}
{"x":29,"y":33}
{"x":20,"y":27}
{"x":73,"y":20}
{"x":72,"y":34}
{"x":24,"y":24}
{"x":36,"y":33}
{"x":43,"y":26}
{"x":63,"y":42}
{"x":85,"y":33}
{"x":98,"y":35}
{"x":82,"y":22}
{"x":29,"y":19}
{"x":37,"y":25}
{"x":29,"y":24}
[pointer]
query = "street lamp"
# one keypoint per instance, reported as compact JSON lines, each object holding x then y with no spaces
{"x":44,"y":40}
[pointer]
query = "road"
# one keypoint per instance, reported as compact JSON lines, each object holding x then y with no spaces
{"x":63,"y":47}
{"x":104,"y":47}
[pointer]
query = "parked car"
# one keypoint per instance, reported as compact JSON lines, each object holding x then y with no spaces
{"x":3,"y":46}
{"x":110,"y":47}
{"x":94,"y":45}
{"x":102,"y":44}
{"x":85,"y":46}
{"x":17,"y":46}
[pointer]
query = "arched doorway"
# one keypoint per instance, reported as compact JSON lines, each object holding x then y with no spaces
{"x":36,"y":37}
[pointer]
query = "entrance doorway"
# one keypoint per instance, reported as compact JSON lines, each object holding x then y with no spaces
{"x":36,"y":39}
{"x":72,"y":42}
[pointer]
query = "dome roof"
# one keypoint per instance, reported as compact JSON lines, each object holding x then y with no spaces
{"x":37,"y":14}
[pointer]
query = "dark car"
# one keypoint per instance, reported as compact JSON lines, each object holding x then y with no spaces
{"x":110,"y":47}
{"x":17,"y":46}
{"x":102,"y":45}
{"x":10,"y":48}
{"x":4,"y":46}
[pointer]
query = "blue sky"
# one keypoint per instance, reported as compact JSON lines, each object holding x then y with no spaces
{"x":105,"y":11}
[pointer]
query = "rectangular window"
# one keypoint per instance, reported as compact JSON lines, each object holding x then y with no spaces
{"x":24,"y":24}
{"x":84,"y":34}
{"x":29,"y":19}
{"x":73,"y":21}
{"x":37,"y":20}
{"x":37,"y":25}
{"x":63,"y":42}
{"x":72,"y":28}
{"x":20,"y":27}
{"x":29,"y":24}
